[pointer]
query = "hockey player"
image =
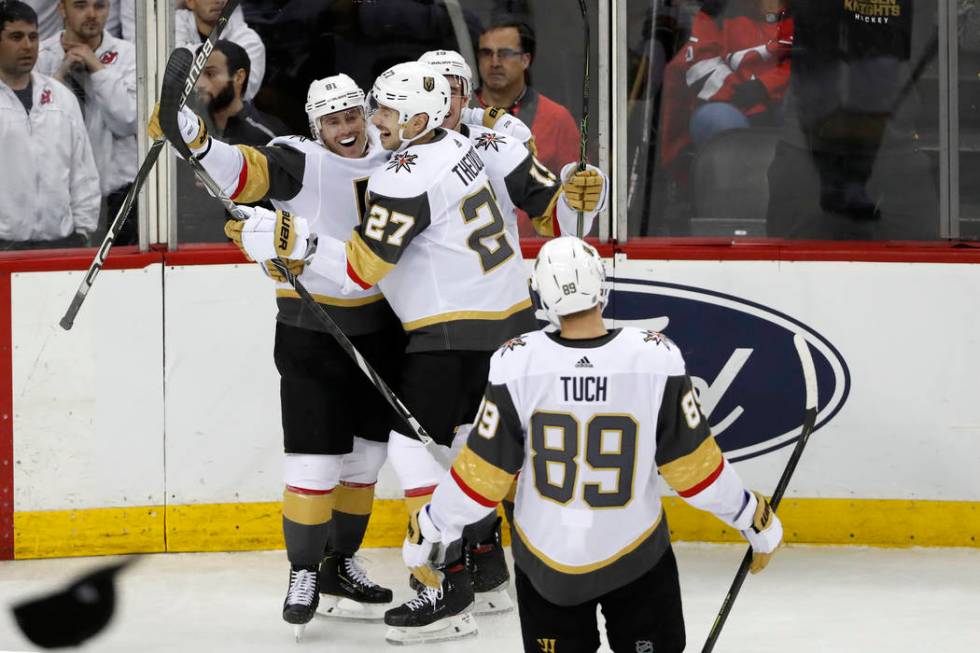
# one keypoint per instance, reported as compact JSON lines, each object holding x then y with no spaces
{"x":335,"y":423}
{"x":586,"y":417}
{"x":435,"y":242}
{"x":520,"y":182}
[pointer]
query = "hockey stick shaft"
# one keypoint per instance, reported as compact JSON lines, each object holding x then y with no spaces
{"x":68,"y":319}
{"x":810,"y":418}
{"x":168,"y":120}
{"x":583,"y":138}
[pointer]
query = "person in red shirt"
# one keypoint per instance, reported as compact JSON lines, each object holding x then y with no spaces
{"x":505,"y":55}
{"x":731,"y":74}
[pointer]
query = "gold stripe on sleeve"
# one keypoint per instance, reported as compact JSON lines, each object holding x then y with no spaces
{"x":307,"y":509}
{"x":484,"y":478}
{"x":256,"y":184}
{"x":368,"y":266}
{"x":544,"y":224}
{"x":687,"y":471}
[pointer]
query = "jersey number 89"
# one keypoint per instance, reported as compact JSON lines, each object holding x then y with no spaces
{"x":556,"y":468}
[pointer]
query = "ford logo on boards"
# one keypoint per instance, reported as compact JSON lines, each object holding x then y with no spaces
{"x":742,"y":361}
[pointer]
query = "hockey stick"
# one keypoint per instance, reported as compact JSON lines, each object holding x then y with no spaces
{"x":583,"y":138}
{"x":170,"y":103}
{"x":144,"y":171}
{"x":810,"y":418}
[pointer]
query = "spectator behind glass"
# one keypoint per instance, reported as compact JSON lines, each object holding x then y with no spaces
{"x":100,"y":69}
{"x":232,"y":118}
{"x":505,"y":55}
{"x":49,"y":185}
{"x":194,"y":24}
{"x":731,"y":74}
{"x":49,"y":17}
{"x":846,"y":118}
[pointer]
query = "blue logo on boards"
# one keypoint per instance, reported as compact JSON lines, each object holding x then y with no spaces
{"x":741,"y":357}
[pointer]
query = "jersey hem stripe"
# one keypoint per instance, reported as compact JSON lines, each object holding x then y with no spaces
{"x":467,"y":315}
{"x":333,"y":301}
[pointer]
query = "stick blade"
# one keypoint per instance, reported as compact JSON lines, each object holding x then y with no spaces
{"x":172,"y":98}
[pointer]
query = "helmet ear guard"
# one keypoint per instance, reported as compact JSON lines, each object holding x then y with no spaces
{"x":330,"y":95}
{"x":569,"y":278}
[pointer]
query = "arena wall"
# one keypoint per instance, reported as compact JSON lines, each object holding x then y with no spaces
{"x":153,"y":425}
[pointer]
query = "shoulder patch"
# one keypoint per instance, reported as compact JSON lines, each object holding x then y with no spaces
{"x":658,"y":339}
{"x":490,"y":139}
{"x":402,"y":161}
{"x":512,"y":344}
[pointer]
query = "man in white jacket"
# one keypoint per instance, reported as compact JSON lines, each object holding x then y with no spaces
{"x":49,"y":185}
{"x":194,"y":24}
{"x":101,"y":70}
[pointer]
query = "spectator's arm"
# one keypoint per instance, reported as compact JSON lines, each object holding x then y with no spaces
{"x":86,"y":198}
{"x":115,"y":91}
{"x":250,"y":40}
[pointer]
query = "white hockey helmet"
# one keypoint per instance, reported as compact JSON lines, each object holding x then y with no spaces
{"x":569,"y":277}
{"x":450,"y":62}
{"x":329,"y":95}
{"x":412,"y":88}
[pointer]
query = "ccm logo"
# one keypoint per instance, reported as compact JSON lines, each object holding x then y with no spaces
{"x":285,"y":228}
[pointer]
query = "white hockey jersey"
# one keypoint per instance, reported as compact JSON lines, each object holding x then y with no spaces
{"x":329,"y":191}
{"x":435,"y":242}
{"x":586,"y":424}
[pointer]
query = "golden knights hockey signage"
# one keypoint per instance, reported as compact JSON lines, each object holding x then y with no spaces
{"x":741,"y":358}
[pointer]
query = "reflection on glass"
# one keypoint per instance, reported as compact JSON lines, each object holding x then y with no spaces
{"x":797,"y":119}
{"x":969,"y":110}
{"x":68,"y":126}
{"x":533,"y":69}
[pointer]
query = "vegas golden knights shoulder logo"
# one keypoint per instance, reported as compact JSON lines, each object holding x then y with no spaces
{"x":428,"y":83}
{"x":547,"y":645}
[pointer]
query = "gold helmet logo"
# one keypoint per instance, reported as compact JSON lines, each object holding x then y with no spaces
{"x":428,"y":83}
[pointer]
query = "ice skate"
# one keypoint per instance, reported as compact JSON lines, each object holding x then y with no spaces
{"x":302,"y":599}
{"x":488,"y":568}
{"x":348,"y":593}
{"x":436,"y":614}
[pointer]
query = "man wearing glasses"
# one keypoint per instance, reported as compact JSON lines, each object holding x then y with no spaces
{"x":506,"y":51}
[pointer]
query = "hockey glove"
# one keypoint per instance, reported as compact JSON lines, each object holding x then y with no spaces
{"x":295,"y":268}
{"x":765,"y":533}
{"x":750,"y":93}
{"x":423,"y":544}
{"x":192,"y":128}
{"x":269,"y":234}
{"x":584,"y":190}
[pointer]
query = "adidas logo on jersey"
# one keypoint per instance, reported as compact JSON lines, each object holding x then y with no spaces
{"x":583,"y":362}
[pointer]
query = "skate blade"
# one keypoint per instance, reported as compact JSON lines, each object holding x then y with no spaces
{"x":298,"y":631}
{"x":336,"y":607}
{"x":493,"y":602}
{"x":451,"y":628}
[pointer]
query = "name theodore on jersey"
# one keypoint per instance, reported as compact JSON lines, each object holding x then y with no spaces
{"x":469,"y":167}
{"x":584,"y":388}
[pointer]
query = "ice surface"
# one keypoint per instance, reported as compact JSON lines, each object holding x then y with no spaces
{"x":809,"y":600}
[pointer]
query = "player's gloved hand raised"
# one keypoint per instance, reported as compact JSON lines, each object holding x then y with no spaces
{"x":192,"y":128}
{"x":423,"y":545}
{"x":764,"y":532}
{"x":584,"y":190}
{"x":269,"y":234}
{"x":497,"y":119}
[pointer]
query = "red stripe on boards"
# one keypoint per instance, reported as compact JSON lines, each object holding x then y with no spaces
{"x":6,"y":422}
